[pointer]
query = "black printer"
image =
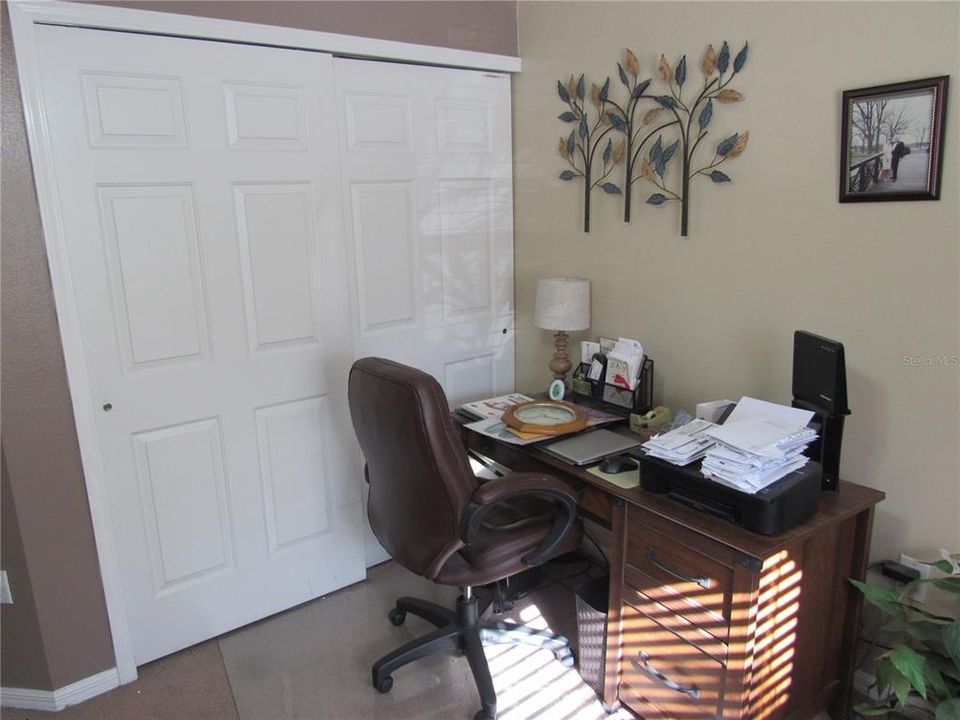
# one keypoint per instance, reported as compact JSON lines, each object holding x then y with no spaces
{"x":778,"y":507}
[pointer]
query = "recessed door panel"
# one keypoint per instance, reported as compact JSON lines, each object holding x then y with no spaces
{"x":133,"y":111}
{"x":153,"y":256}
{"x":466,"y":246}
{"x":265,"y":117}
{"x":377,"y":122}
{"x":184,"y":495}
{"x":277,"y":238}
{"x":386,"y":253}
{"x":291,"y":439}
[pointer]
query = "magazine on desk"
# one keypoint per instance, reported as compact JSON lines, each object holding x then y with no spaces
{"x":494,"y":427}
{"x":492,"y":408}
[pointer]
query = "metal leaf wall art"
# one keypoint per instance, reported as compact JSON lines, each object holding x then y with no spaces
{"x":580,"y":147}
{"x":677,"y":126}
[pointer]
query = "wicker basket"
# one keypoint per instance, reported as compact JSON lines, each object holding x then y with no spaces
{"x":592,"y":601}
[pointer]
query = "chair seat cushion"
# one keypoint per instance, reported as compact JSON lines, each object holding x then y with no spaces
{"x":509,"y":532}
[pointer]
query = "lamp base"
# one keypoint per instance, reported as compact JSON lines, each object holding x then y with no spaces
{"x":560,"y":363}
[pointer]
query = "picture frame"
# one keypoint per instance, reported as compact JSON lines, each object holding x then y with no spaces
{"x":891,"y":141}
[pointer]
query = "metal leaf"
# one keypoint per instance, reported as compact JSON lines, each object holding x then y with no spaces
{"x":607,"y":152}
{"x":640,"y":89}
{"x":582,"y":130}
{"x":630,"y":60}
{"x":719,"y":177}
{"x":595,"y":94}
{"x":562,"y":92}
{"x":623,"y":75}
{"x":728,"y":96}
{"x":740,"y":146}
{"x":562,"y":148}
{"x":681,"y":73}
{"x":571,"y":143}
{"x":571,"y":86}
{"x":723,"y":59}
{"x":605,"y":90}
{"x":727,"y":145}
{"x":611,"y":189}
{"x":567,"y":116}
{"x":709,"y":63}
{"x":619,"y":150}
{"x":567,"y":175}
{"x":657,"y":148}
{"x":659,"y":166}
{"x":580,"y":88}
{"x":617,"y":121}
{"x":664,"y":69}
{"x":656,"y":199}
{"x":706,"y":115}
{"x":646,"y":168}
{"x":669,"y":152}
{"x":651,"y":115}
{"x":740,"y":60}
{"x":667,"y":101}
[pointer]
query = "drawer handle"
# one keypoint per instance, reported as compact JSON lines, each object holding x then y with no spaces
{"x":644,"y":664}
{"x":701,"y":580}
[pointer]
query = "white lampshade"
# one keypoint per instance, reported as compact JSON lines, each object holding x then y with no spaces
{"x":562,"y":304}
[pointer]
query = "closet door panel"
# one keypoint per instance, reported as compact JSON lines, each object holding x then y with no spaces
{"x":199,"y":195}
{"x":426,"y":166}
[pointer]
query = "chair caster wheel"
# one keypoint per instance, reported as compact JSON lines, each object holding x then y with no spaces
{"x":397,"y":617}
{"x":384,"y":685}
{"x":486,"y":714}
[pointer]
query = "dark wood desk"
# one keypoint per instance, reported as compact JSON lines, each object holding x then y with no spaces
{"x":708,"y":620}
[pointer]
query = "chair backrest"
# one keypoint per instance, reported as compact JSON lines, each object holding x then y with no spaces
{"x":420,"y":479}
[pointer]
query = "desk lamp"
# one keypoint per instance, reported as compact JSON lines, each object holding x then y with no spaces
{"x":562,"y":305}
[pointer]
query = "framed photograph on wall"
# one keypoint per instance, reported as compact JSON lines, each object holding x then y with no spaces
{"x":891,"y":141}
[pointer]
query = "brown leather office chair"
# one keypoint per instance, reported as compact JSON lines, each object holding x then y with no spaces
{"x":437,"y":520}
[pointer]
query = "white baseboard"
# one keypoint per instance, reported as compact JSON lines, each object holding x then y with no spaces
{"x":53,"y":700}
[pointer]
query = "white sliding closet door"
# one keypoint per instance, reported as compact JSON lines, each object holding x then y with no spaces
{"x":426,"y":162}
{"x":200,"y":200}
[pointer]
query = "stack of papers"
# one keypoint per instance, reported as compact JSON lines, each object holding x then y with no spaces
{"x":684,"y":445}
{"x":492,"y":407}
{"x":759,"y":443}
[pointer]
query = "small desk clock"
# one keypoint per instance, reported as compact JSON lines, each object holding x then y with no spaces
{"x":546,"y":417}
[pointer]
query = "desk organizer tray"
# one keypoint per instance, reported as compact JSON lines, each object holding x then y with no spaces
{"x":776,"y":508}
{"x":613,"y":399}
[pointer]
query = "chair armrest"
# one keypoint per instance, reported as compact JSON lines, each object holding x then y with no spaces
{"x":545,"y":487}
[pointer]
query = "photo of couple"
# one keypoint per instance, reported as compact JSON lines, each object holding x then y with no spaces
{"x":892,"y":141}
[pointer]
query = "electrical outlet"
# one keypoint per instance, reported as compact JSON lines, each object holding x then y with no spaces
{"x":919,"y":593}
{"x":5,"y":596}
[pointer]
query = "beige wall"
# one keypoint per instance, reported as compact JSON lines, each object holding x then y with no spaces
{"x":56,"y":632}
{"x":774,"y":251}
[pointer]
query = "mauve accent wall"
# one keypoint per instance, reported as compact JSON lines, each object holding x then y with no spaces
{"x":57,"y":631}
{"x":482,"y":26}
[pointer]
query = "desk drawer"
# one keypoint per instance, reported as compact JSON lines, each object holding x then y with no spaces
{"x":687,"y":580}
{"x":597,"y":504}
{"x":664,"y":676}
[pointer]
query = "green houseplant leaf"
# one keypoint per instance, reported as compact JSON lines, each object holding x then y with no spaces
{"x":949,"y":710}
{"x":923,"y":656}
{"x":913,"y":666}
{"x":883,"y":599}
